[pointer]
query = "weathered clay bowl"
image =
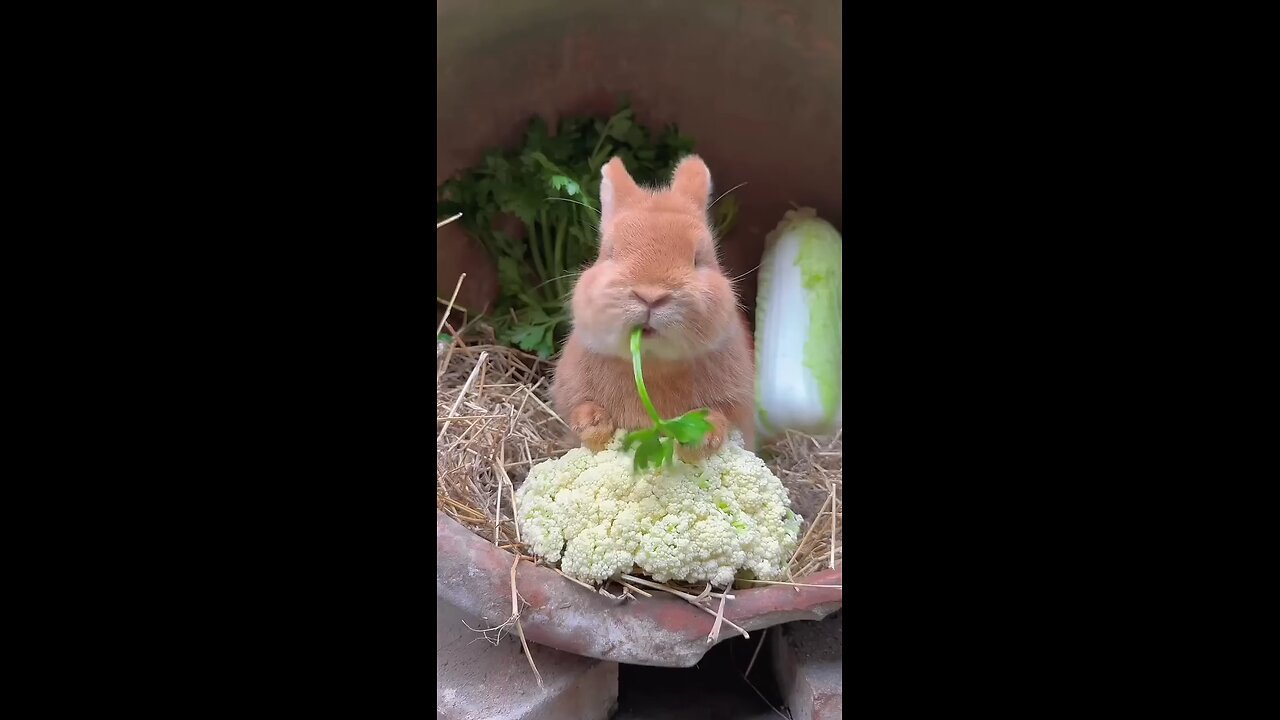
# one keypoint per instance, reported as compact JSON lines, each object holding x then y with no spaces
{"x":475,"y":576}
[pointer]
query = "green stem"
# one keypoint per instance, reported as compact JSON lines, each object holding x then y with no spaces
{"x":534,"y":245}
{"x":591,"y":231}
{"x":635,"y":363}
{"x":559,"y":258}
{"x":604,"y":133}
{"x":548,"y":242}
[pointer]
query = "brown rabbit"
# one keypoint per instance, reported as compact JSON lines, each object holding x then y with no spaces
{"x":657,"y":269}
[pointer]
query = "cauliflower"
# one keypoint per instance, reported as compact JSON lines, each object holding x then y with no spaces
{"x":683,"y":522}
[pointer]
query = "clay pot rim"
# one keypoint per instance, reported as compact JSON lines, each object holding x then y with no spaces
{"x":475,"y":575}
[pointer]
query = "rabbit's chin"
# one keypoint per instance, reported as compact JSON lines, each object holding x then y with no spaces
{"x":665,"y":345}
{"x":668,"y":348}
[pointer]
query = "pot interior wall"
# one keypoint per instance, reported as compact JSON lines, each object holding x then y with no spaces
{"x":755,"y":83}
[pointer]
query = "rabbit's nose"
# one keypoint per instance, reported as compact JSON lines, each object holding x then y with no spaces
{"x":651,"y":296}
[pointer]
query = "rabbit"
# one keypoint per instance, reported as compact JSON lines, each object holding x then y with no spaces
{"x":658,"y":269}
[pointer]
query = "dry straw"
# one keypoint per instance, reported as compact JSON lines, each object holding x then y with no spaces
{"x":494,"y":422}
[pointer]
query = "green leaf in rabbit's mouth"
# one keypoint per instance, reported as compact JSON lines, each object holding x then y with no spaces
{"x":655,"y":446}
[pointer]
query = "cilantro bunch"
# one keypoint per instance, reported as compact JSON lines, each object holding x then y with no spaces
{"x":551,"y":186}
{"x":657,"y":445}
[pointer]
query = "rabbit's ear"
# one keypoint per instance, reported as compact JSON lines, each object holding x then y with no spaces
{"x":692,"y":179}
{"x":616,"y":189}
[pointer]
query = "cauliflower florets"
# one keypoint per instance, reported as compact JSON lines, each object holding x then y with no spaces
{"x":682,"y":522}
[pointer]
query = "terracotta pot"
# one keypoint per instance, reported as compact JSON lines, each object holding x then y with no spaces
{"x":475,"y":576}
{"x":756,"y":83}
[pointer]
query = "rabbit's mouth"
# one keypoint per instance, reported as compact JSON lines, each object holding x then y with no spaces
{"x":648,"y":330}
